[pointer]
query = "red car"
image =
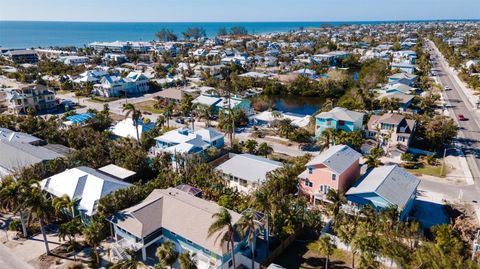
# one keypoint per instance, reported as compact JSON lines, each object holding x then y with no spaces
{"x":461,"y":117}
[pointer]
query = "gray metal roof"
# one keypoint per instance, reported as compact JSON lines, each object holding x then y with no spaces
{"x":338,"y":158}
{"x":391,"y":182}
{"x":340,"y":113}
{"x":9,"y":135}
{"x":249,"y":167}
{"x":15,"y":155}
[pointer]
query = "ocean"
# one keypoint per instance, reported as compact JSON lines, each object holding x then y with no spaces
{"x":29,"y":34}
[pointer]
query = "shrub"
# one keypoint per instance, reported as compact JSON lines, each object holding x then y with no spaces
{"x":407,"y":157}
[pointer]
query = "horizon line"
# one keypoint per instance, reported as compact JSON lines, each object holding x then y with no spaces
{"x":288,"y":21}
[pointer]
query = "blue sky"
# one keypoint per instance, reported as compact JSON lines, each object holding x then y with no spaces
{"x":237,"y":10}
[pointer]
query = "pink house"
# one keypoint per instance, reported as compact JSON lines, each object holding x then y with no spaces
{"x":336,"y":168}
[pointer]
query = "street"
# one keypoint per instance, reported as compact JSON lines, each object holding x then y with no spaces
{"x":469,"y":134}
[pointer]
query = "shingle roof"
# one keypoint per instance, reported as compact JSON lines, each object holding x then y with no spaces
{"x":391,"y":182}
{"x":176,"y":211}
{"x":340,"y":113}
{"x":249,"y":167}
{"x":338,"y":158}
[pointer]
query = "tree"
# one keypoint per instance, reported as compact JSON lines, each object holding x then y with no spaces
{"x":238,"y":30}
{"x":373,"y":160}
{"x":93,"y":235}
{"x":194,"y":32}
{"x":64,"y":205}
{"x":187,"y":261}
{"x":70,"y":229}
{"x":204,"y":112}
{"x":440,"y":131}
{"x":136,"y":116}
{"x":247,"y":227}
{"x":166,"y":35}
{"x":223,"y":220}
{"x":325,"y":246}
{"x":39,"y":207}
{"x":336,"y":199}
{"x":222,"y":31}
{"x":264,"y":149}
{"x":251,"y":146}
{"x":129,"y":263}
{"x":12,"y":199}
{"x":327,"y":138}
{"x":285,"y":127}
{"x":166,"y":253}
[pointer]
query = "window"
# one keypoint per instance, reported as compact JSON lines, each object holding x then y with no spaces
{"x":334,"y":177}
{"x":401,"y":139}
{"x":341,"y":123}
{"x":329,"y":122}
{"x":308,"y":183}
{"x":230,"y":263}
{"x":310,"y":170}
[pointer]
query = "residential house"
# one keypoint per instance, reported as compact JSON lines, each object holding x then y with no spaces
{"x":73,"y":59}
{"x":338,"y":118}
{"x":127,"y":129}
{"x":245,"y":172}
{"x":403,"y":78}
{"x":331,"y":58}
{"x":84,"y":184}
{"x":384,"y":187}
{"x":392,"y":131}
{"x":185,"y":141}
{"x":403,"y":67}
{"x":179,"y":217}
{"x":134,"y":83}
{"x":22,"y":56}
{"x":21,"y":98}
{"x":337,"y":168}
{"x":20,"y":150}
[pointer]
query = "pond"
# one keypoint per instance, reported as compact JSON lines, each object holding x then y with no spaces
{"x":297,"y":104}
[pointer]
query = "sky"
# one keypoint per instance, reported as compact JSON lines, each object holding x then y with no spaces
{"x":237,"y":10}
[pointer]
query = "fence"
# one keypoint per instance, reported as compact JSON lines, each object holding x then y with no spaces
{"x":279,"y":250}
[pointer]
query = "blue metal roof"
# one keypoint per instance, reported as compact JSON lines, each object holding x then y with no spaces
{"x":80,"y":117}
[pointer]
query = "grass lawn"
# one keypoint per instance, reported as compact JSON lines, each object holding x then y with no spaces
{"x":430,"y":170}
{"x":102,"y":99}
{"x":148,"y":106}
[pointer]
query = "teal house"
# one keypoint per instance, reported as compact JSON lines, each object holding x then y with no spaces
{"x":338,"y":118}
{"x":384,"y":187}
{"x":181,"y":218}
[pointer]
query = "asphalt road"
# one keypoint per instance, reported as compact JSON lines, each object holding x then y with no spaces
{"x":469,"y":133}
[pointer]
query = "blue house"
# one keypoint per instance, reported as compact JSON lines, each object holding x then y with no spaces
{"x":384,"y":187}
{"x":174,"y":215}
{"x":338,"y":118}
{"x":403,"y":78}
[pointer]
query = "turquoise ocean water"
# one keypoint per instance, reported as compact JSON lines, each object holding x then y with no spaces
{"x":27,"y":34}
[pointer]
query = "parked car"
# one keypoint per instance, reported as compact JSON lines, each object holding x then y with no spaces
{"x":461,"y":117}
{"x":180,"y":120}
{"x":447,"y":88}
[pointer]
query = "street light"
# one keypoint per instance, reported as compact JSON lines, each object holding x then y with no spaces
{"x":443,"y":162}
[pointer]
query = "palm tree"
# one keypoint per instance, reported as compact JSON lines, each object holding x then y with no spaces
{"x":93,"y":236}
{"x":324,"y":245}
{"x":136,"y":115}
{"x":251,"y":145}
{"x":187,"y":260}
{"x":64,"y":204}
{"x":346,"y":232}
{"x":11,"y":198}
{"x":166,"y":253}
{"x":167,"y":112}
{"x":223,"y":220}
{"x":327,"y":138}
{"x":39,"y":206}
{"x":373,"y":160}
{"x":130,"y":263}
{"x":204,"y":112}
{"x":264,"y":149}
{"x":247,"y":227}
{"x":70,"y":229}
{"x":336,"y":199}
{"x":285,"y":127}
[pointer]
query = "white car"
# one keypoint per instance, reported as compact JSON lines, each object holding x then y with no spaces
{"x":446,"y":88}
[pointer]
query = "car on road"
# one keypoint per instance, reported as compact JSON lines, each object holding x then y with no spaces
{"x":446,"y":88}
{"x":461,"y":117}
{"x":180,"y":120}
